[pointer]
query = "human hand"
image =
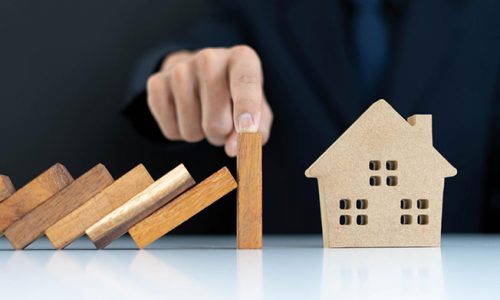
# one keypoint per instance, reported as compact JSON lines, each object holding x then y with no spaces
{"x":213,"y":93}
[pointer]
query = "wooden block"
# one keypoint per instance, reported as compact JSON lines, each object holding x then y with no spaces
{"x":33,"y":225}
{"x":33,"y":194}
{"x":182,"y":208}
{"x":249,"y":194}
{"x":162,"y":191}
{"x":6,"y":187}
{"x":73,"y":226}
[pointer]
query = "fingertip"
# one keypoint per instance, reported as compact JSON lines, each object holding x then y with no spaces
{"x":231,"y":146}
{"x":266,"y":123}
{"x":265,"y":138}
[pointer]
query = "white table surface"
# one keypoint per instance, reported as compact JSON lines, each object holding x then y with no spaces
{"x":289,"y":267}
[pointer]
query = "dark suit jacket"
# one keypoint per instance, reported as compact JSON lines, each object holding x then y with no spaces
{"x":444,"y":61}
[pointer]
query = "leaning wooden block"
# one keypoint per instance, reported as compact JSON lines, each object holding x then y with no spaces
{"x":162,"y":191}
{"x":33,"y":194}
{"x":249,"y":194}
{"x":182,"y":208}
{"x":73,"y":226}
{"x":6,"y":187}
{"x":33,"y":225}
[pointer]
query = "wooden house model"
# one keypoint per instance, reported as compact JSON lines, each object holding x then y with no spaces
{"x":381,"y":182}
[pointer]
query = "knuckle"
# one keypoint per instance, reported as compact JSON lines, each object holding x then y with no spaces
{"x":244,"y":51}
{"x":180,"y":73}
{"x":168,"y":62}
{"x":154,"y":84}
{"x":252,"y":75}
{"x":248,"y":79}
{"x":205,"y":57}
{"x":205,"y":64}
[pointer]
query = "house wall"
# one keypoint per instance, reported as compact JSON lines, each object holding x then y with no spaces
{"x":417,"y":178}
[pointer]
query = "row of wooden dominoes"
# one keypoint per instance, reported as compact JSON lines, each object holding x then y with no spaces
{"x":95,"y":204}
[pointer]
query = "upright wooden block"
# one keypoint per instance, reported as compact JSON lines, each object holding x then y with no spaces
{"x":162,"y":191}
{"x":33,"y":194}
{"x":33,"y":225}
{"x":182,"y":208}
{"x":249,"y":194}
{"x":6,"y":187}
{"x":73,"y":226}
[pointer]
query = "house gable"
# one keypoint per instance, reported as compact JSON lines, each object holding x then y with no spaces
{"x":379,"y":128}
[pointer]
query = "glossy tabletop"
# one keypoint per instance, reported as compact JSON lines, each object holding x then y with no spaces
{"x":289,"y":267}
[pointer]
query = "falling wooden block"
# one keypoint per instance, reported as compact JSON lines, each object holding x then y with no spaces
{"x":73,"y":226}
{"x":162,"y":191}
{"x":182,"y":208}
{"x":6,"y":187}
{"x":249,"y":194}
{"x":33,"y":194}
{"x":33,"y":225}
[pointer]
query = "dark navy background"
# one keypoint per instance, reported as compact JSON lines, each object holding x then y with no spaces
{"x":65,"y":77}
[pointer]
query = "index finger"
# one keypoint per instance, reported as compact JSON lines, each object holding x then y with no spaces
{"x":245,"y":81}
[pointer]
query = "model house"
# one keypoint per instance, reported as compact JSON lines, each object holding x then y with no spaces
{"x":381,"y":182}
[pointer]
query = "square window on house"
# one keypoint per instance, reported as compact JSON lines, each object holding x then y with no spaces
{"x":391,"y":165}
{"x":405,"y":220}
{"x":423,"y":219}
{"x":345,"y":203}
{"x":374,"y":165}
{"x":361,"y":204}
{"x":362,"y":219}
{"x":345,"y":220}
{"x":422,"y":203}
{"x":375,"y":180}
{"x":405,"y":203}
{"x":392,"y":180}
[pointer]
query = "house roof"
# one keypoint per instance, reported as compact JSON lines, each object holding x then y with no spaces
{"x":380,"y":115}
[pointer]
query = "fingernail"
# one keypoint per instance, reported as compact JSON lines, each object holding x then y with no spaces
{"x":246,"y":123}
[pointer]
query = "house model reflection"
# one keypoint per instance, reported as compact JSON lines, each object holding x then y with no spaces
{"x":381,"y":183}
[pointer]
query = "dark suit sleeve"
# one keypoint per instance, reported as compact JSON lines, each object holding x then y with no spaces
{"x":222,"y":27}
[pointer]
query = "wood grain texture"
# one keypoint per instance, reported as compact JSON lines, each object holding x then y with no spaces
{"x":73,"y":226}
{"x":6,"y":187}
{"x":373,"y":177}
{"x":119,"y":221}
{"x":182,"y":208}
{"x":33,"y":194}
{"x":33,"y":225}
{"x":249,"y":194}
